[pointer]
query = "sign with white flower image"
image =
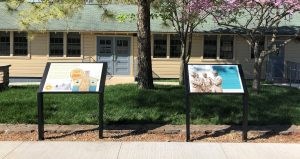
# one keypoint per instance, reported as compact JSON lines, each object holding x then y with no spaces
{"x":73,"y":77}
{"x":214,"y":79}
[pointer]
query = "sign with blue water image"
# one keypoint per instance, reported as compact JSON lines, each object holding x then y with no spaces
{"x":73,"y":77}
{"x":214,"y":79}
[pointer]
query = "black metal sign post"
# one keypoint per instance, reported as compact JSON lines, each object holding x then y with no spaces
{"x":245,"y":117}
{"x":101,"y":100}
{"x":188,"y":107}
{"x":40,"y":101}
{"x":245,"y":106}
{"x":187,"y":103}
{"x":40,"y":115}
{"x":101,"y":112}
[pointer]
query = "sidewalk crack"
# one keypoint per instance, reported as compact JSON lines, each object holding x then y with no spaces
{"x":6,"y":155}
{"x":119,"y":150}
{"x":226,"y":156}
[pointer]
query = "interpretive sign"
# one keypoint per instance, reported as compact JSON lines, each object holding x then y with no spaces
{"x":215,"y":79}
{"x":72,"y":78}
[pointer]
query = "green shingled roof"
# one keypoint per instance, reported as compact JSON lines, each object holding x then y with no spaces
{"x":89,"y":19}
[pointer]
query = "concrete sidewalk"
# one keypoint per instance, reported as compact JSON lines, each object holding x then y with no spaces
{"x":149,"y":150}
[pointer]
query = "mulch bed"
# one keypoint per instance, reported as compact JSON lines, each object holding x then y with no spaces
{"x":233,"y":137}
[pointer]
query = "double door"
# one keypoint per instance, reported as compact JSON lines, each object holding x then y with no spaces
{"x":275,"y":65}
{"x":116,"y":52}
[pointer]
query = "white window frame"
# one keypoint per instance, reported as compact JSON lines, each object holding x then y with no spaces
{"x":65,"y":48}
{"x":219,"y":48}
{"x":11,"y":49}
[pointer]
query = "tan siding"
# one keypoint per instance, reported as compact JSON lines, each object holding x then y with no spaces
{"x":292,"y":51}
{"x":169,"y":68}
{"x":33,"y":67}
{"x":197,"y":47}
{"x":39,"y":45}
{"x":135,"y":52}
{"x":243,"y":56}
{"x":135,"y":47}
{"x":89,"y":44}
{"x":165,"y":68}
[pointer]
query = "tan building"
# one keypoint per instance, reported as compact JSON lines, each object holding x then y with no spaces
{"x":88,"y":37}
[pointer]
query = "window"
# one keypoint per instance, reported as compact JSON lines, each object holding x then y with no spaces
{"x":210,"y":47}
{"x":261,"y":47}
{"x":73,"y":45}
{"x":105,"y":46}
{"x":56,"y":45}
{"x":4,"y":44}
{"x":160,"y":46}
{"x":226,"y":47}
{"x":122,"y":46}
{"x":175,"y":46}
{"x":20,"y":44}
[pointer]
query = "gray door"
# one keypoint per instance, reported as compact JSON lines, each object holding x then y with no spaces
{"x":116,"y":52}
{"x":276,"y":64}
{"x":105,"y":52}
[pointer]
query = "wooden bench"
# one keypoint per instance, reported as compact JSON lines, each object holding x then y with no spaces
{"x":4,"y":76}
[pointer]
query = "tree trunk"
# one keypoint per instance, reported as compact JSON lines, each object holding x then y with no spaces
{"x":181,"y":74}
{"x":182,"y":62}
{"x":257,"y":74}
{"x":144,"y":75}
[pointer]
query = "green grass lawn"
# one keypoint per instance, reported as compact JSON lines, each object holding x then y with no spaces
{"x":126,"y":104}
{"x":166,"y":80}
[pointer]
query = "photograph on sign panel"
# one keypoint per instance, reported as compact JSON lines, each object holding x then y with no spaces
{"x":215,"y":79}
{"x":73,"y":77}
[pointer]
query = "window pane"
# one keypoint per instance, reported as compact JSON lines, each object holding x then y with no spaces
{"x":210,"y":47}
{"x":175,"y":46}
{"x":226,"y":50}
{"x":160,"y":46}
{"x":122,"y":46}
{"x":4,"y":44}
{"x":56,"y":44}
{"x":105,"y":46}
{"x":20,"y":44}
{"x":73,"y":45}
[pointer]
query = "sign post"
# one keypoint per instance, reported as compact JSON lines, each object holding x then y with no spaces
{"x":67,"y":78}
{"x":40,"y":115}
{"x":215,"y":79}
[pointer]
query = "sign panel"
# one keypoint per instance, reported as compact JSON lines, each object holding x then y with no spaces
{"x":214,"y":79}
{"x":73,"y":77}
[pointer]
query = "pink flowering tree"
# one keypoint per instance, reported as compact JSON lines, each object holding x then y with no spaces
{"x":258,"y":22}
{"x":184,"y":19}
